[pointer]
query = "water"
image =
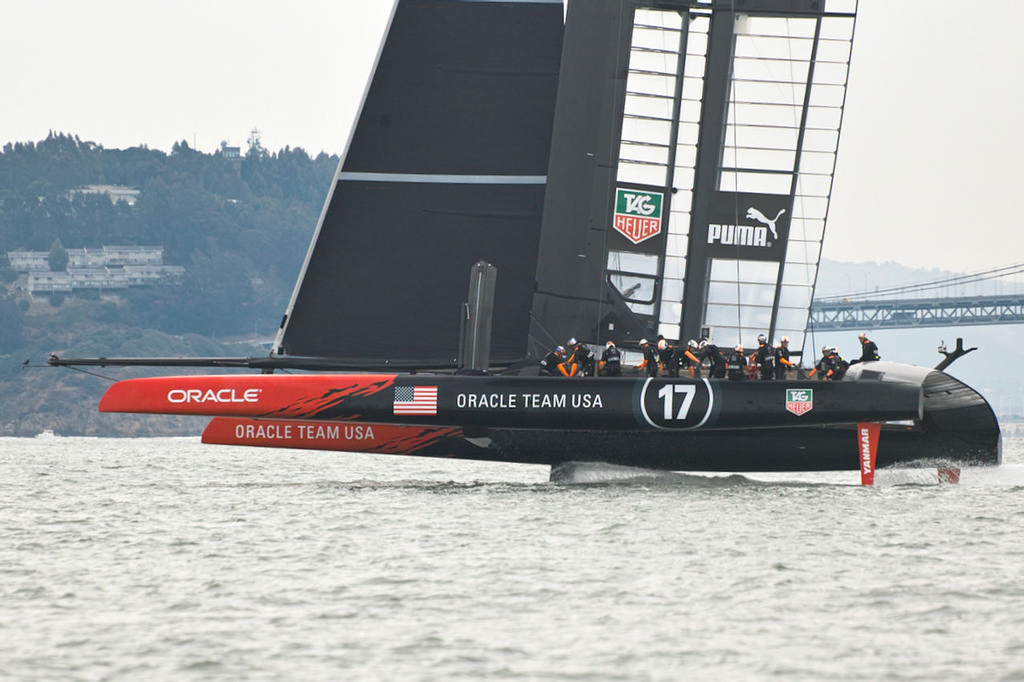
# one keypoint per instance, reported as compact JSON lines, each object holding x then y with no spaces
{"x":165,"y":559}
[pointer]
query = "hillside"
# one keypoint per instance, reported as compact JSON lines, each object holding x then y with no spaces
{"x":238,"y":224}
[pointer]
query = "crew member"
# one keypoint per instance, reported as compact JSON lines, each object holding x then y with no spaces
{"x":580,"y":361}
{"x":839,"y":366}
{"x":667,"y":358}
{"x":551,"y":363}
{"x":761,"y":360}
{"x":715,"y":357}
{"x":736,"y":364}
{"x":822,"y":365}
{"x":650,"y":361}
{"x":868,"y":350}
{"x":831,"y":367}
{"x":611,"y":361}
{"x":782,"y":361}
{"x":688,"y":360}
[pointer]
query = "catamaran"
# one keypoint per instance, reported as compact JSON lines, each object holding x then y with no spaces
{"x":611,"y":170}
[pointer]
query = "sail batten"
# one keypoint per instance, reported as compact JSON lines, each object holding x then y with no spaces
{"x":453,"y":179}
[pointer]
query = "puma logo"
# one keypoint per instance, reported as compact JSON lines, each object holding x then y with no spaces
{"x":754,"y":214}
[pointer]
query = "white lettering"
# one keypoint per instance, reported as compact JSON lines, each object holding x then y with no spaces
{"x":267,"y":431}
{"x":587,"y":400}
{"x":358,"y":432}
{"x":545,"y":401}
{"x":666,"y":394}
{"x":865,"y":450}
{"x":737,"y":235}
{"x":319,"y":432}
{"x":486,"y":400}
{"x":638,"y":203}
{"x":224,"y":395}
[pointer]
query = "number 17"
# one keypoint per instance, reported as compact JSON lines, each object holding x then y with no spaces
{"x":666,"y":393}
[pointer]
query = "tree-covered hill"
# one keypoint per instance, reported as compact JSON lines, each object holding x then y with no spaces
{"x":239,"y":225}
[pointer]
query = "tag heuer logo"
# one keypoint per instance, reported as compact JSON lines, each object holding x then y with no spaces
{"x":637,"y":214}
{"x":799,"y":400}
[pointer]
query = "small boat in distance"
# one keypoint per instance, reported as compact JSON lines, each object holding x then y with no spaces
{"x":625,"y":171}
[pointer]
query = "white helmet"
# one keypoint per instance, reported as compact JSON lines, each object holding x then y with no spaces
{"x":643,"y":342}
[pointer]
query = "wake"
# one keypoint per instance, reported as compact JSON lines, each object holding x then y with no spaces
{"x":597,"y":473}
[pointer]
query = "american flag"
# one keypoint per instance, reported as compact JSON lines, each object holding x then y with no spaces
{"x":415,"y":400}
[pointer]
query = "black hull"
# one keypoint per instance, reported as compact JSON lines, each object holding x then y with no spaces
{"x":808,"y":449}
{"x":957,"y":425}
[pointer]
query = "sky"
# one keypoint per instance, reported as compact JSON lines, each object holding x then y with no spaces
{"x":929,"y":157}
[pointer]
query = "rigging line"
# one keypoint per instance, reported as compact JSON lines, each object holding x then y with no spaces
{"x":85,"y":371}
{"x":535,"y":323}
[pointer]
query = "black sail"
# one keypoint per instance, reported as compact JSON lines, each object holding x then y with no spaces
{"x":446,"y":167}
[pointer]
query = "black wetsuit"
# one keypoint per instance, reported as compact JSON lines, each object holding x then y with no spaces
{"x":736,"y":365}
{"x":667,"y":360}
{"x":763,"y":358}
{"x":831,"y":367}
{"x":714,"y":355}
{"x":868,"y":351}
{"x":650,"y":360}
{"x":611,"y":362}
{"x":781,"y":353}
{"x":583,"y":359}
{"x":839,"y":367}
{"x":549,"y":365}
{"x":688,"y":366}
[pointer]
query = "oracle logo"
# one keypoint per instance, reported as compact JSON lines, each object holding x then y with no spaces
{"x":178,"y":396}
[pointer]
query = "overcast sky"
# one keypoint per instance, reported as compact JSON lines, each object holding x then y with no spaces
{"x":929,"y":160}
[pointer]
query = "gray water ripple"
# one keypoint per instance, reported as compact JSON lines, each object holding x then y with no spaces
{"x":163,"y":559}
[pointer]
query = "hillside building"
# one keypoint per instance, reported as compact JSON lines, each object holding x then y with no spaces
{"x":109,"y":269}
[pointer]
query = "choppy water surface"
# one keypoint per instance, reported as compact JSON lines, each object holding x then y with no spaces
{"x":166,"y":559}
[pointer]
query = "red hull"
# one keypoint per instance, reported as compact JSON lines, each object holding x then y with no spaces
{"x":384,"y":439}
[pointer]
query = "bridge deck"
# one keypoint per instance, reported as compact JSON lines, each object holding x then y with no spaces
{"x":919,"y":312}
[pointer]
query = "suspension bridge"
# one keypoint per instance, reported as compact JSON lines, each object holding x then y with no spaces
{"x":988,"y":297}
